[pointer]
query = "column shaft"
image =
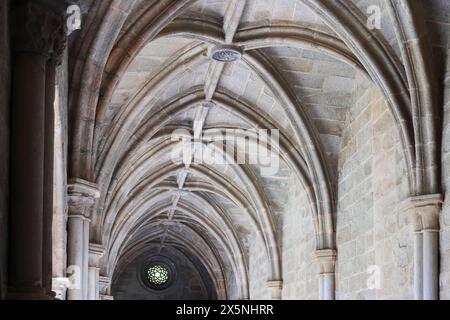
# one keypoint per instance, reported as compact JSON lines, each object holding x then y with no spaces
{"x":93,"y":293}
{"x":328,"y":286}
{"x":430,"y":265}
{"x":321,"y":287}
{"x":49,"y":172}
{"x":423,"y":213}
{"x":327,"y":262}
{"x":75,"y":246}
{"x":85,"y":268}
{"x":82,"y":196}
{"x":418,"y":266}
{"x":96,"y":252}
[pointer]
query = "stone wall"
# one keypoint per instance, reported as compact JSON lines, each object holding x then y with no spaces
{"x":373,"y":239}
{"x":258,"y":270}
{"x":4,"y":140}
{"x":300,"y":268}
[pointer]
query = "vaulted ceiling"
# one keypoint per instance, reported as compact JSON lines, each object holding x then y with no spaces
{"x":142,"y":69}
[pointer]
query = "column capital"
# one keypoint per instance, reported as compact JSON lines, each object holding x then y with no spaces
{"x":423,"y":211}
{"x":59,"y":286}
{"x":327,"y":260}
{"x":104,"y":285}
{"x":82,"y":196}
{"x":96,"y":252}
{"x":275,"y":287}
{"x":39,"y":26}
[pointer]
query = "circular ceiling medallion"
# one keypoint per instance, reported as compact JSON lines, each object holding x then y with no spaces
{"x":227,"y":54}
{"x":158,"y":275}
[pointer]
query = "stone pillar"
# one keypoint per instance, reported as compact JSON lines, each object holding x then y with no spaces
{"x":82,"y":196}
{"x":105,"y":288}
{"x":96,"y":252}
{"x":38,"y":34}
{"x":423,"y":213}
{"x":60,"y":205}
{"x":430,"y":221}
{"x":85,"y":267}
{"x":54,"y":61}
{"x":418,"y":265}
{"x":75,"y":255}
{"x":276,"y":289}
{"x":327,"y":262}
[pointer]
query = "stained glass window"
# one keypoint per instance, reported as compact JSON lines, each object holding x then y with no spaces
{"x":158,"y":275}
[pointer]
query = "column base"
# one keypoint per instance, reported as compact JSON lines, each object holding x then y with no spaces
{"x":29,"y":294}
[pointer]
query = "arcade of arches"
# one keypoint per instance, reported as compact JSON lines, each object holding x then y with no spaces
{"x":97,"y":203}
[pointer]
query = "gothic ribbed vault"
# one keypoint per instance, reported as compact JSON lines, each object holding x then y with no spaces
{"x":348,"y":98}
{"x":143,"y":69}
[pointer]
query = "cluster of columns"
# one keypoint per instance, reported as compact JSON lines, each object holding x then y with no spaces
{"x":423,"y":213}
{"x":83,"y":257}
{"x":38,"y":41}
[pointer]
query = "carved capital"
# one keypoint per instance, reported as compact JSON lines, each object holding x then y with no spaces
{"x":82,"y":196}
{"x":275,"y":287}
{"x":60,"y":286}
{"x":39,"y":26}
{"x":423,"y":212}
{"x":327,"y":260}
{"x":96,"y":252}
{"x":104,"y":285}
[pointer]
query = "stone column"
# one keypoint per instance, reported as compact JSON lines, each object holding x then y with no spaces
{"x":418,"y":265}
{"x":105,"y":288}
{"x":60,"y":205}
{"x":327,"y":262}
{"x":96,"y":252}
{"x":75,"y":255}
{"x":53,"y":62}
{"x":430,"y":222}
{"x":423,"y":213}
{"x":276,"y":289}
{"x":82,"y":196}
{"x":85,"y":267}
{"x":38,"y":34}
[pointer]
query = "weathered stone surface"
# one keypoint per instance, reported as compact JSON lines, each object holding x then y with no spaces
{"x":369,"y":236}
